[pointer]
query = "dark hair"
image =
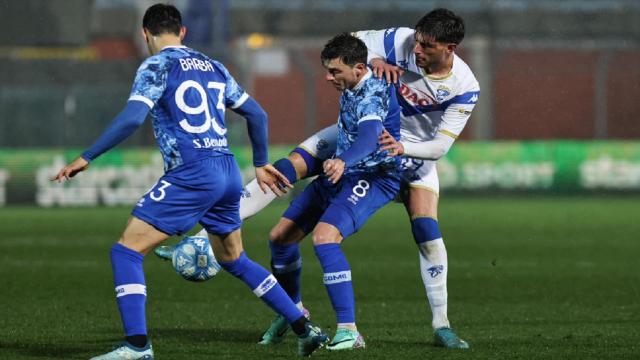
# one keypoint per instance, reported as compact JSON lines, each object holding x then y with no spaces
{"x":345,"y":47}
{"x":162,"y":19}
{"x":443,"y":25}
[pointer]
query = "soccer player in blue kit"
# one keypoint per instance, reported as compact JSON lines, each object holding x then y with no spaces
{"x":358,"y":181}
{"x":187,"y":93}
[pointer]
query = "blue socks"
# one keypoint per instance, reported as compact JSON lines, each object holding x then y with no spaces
{"x":264,"y":285}
{"x":286,"y":264}
{"x":131,"y":289}
{"x":337,"y":279}
{"x":425,"y":229}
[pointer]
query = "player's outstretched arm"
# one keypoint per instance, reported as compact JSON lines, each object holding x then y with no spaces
{"x":125,"y":124}
{"x":267,"y":176}
{"x":71,"y":170}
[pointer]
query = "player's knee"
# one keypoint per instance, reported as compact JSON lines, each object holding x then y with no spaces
{"x":321,"y":237}
{"x":299,"y":164}
{"x":281,"y":235}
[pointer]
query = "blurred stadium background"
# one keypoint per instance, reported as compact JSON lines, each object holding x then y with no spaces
{"x":540,"y":196}
{"x":558,"y":111}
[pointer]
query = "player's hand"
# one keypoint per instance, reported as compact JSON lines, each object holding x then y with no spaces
{"x":389,"y":143}
{"x":71,"y":170}
{"x":333,"y":168}
{"x":269,"y":177}
{"x":390,"y":72}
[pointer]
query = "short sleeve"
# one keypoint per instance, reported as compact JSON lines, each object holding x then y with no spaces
{"x":234,"y":94}
{"x":151,"y":80}
{"x":375,"y":103}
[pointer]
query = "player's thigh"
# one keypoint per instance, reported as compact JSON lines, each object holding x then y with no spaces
{"x":359,"y":197}
{"x":307,"y":157}
{"x":223,"y":215}
{"x":305,"y":210}
{"x":286,"y":232}
{"x":421,"y":188}
{"x":141,"y":236}
{"x":321,"y":144}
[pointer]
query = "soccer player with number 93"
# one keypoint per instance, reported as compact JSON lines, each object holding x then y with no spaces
{"x":186,"y":94}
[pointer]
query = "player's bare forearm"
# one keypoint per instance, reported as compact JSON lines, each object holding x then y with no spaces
{"x":269,"y":177}
{"x":69,"y":171}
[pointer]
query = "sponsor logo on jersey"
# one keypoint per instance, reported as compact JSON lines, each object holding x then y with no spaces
{"x":416,"y":97}
{"x":207,"y":143}
{"x":442,"y":93}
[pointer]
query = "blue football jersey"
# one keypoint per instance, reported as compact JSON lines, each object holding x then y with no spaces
{"x":371,"y":100}
{"x":188,"y":93}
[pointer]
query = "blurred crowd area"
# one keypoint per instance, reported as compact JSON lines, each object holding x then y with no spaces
{"x":547,"y":69}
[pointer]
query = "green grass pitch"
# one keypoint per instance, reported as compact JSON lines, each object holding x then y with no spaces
{"x":529,"y":278}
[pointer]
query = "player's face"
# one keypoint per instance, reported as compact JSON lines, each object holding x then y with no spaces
{"x":430,"y":52}
{"x":341,"y":75}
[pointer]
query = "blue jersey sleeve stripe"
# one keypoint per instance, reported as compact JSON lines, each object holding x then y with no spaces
{"x":389,"y":45}
{"x":145,"y":100}
{"x":240,"y":101}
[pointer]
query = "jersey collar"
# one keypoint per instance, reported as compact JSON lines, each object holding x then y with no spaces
{"x":362,"y":80}
{"x":174,"y":46}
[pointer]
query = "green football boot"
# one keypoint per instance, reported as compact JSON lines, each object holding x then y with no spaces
{"x":126,"y":351}
{"x":312,"y":340}
{"x":346,"y":339}
{"x":278,"y":329}
{"x":164,"y":252}
{"x":446,"y":338}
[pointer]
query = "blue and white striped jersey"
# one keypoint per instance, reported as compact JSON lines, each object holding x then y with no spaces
{"x":188,"y":93}
{"x":429,"y":105}
{"x":371,"y":100}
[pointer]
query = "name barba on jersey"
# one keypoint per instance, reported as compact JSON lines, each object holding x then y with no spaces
{"x":195,"y":64}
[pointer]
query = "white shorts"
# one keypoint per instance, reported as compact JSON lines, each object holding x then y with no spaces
{"x":322,"y":145}
{"x":417,"y":173}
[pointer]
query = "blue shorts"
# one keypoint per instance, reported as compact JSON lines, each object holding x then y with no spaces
{"x":346,"y":205}
{"x":206,"y":191}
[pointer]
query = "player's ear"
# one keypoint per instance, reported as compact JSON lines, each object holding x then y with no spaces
{"x":360,"y":68}
{"x":451,"y":47}
{"x":183,"y":33}
{"x":144,"y":35}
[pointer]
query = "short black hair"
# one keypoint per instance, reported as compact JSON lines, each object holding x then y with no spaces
{"x":345,"y":47}
{"x":443,"y":25}
{"x":162,"y":19}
